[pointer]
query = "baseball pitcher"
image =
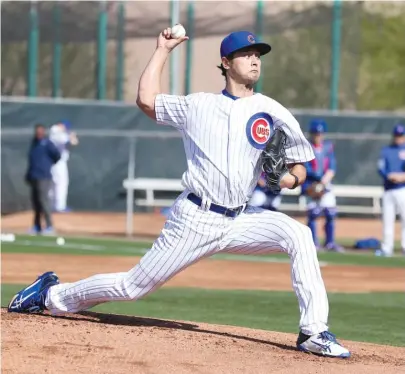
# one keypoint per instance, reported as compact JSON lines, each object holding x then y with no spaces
{"x":318,"y":186}
{"x":391,"y":167}
{"x":229,"y":138}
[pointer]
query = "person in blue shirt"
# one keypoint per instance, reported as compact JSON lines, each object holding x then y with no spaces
{"x":42,"y":156}
{"x":264,"y":198}
{"x":391,"y":167}
{"x":321,"y":169}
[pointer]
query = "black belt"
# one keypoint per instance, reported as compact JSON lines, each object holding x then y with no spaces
{"x":228,"y":212}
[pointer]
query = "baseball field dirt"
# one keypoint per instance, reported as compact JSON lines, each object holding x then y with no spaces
{"x":100,"y":343}
{"x":103,"y":343}
{"x":106,"y":343}
{"x":149,"y":225}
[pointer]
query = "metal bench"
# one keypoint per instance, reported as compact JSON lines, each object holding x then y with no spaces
{"x":150,"y":185}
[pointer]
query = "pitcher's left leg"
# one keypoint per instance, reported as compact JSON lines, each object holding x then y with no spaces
{"x":257,"y":232}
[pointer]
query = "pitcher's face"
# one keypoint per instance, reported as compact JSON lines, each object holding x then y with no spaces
{"x":244,"y":66}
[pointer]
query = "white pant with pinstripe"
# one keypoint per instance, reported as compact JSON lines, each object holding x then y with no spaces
{"x":393,"y":203}
{"x":190,"y":234}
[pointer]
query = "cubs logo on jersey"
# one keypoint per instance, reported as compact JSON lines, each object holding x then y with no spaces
{"x":259,"y":129}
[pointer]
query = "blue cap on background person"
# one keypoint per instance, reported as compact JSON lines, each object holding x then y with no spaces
{"x":399,"y":130}
{"x":242,"y":39}
{"x":67,"y":124}
{"x":317,"y":126}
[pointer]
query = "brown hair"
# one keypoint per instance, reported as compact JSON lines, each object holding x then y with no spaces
{"x":221,"y":66}
{"x":223,"y":70}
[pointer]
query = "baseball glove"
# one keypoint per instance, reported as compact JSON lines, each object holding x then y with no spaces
{"x":316,"y":190}
{"x":274,"y":165}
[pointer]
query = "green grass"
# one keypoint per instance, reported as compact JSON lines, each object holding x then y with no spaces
{"x":122,"y":247}
{"x":374,"y":317}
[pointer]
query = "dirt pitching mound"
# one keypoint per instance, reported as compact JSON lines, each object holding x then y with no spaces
{"x":104,"y":343}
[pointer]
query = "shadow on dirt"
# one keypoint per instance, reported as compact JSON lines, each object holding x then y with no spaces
{"x":133,"y":321}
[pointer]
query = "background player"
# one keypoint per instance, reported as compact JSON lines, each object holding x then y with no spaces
{"x":264,"y":198}
{"x":42,"y":156}
{"x":63,"y":139}
{"x":224,"y":136}
{"x":391,"y":167}
{"x":321,"y":169}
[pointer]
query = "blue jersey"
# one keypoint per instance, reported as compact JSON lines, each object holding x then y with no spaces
{"x":264,"y":188}
{"x":392,"y":160}
{"x":324,"y":160}
{"x":41,"y":157}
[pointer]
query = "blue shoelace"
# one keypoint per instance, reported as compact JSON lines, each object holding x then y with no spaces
{"x":328,"y":336}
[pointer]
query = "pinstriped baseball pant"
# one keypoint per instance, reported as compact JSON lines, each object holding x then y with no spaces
{"x":191,"y":234}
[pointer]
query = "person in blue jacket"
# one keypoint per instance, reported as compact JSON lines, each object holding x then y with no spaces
{"x":42,"y":156}
{"x":264,"y":198}
{"x":391,"y":167}
{"x":321,"y":169}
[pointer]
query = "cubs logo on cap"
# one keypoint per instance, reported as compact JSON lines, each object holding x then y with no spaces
{"x":251,"y":38}
{"x":259,"y":129}
{"x":317,"y":126}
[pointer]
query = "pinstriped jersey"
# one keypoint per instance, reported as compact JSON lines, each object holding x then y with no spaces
{"x":224,"y":137}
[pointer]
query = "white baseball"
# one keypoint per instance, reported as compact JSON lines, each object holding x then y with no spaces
{"x":178,"y":31}
{"x":60,"y":241}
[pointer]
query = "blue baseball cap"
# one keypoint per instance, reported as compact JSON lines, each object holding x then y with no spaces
{"x":242,"y":39}
{"x":67,"y":124}
{"x":317,"y":126}
{"x":399,"y":130}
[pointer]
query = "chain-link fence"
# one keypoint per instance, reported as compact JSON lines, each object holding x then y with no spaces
{"x":345,"y":54}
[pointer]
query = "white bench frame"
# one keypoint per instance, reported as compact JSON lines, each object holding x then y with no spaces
{"x":150,"y":185}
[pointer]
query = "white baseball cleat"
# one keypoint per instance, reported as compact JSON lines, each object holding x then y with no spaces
{"x":323,"y":344}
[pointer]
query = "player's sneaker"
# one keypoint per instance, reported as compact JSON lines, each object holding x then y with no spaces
{"x":49,"y":231}
{"x":334,"y":247}
{"x":35,"y":230}
{"x":66,"y":210}
{"x":32,"y":298}
{"x":381,"y":253}
{"x":323,"y":344}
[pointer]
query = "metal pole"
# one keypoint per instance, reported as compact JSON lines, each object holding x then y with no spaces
{"x":120,"y":51}
{"x":259,"y":34}
{"x":33,"y":51}
{"x":335,"y":62}
{"x":174,"y":56}
{"x":130,"y":191}
{"x":57,"y":50}
{"x":102,"y":51}
{"x":189,"y":46}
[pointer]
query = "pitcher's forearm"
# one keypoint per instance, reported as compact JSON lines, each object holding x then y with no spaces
{"x":288,"y":180}
{"x":300,"y":171}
